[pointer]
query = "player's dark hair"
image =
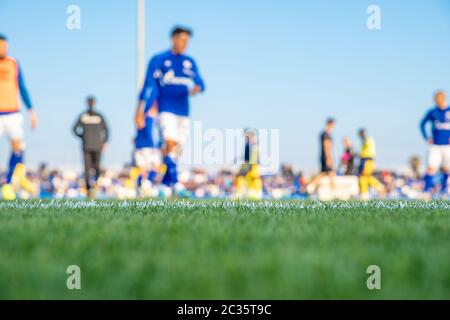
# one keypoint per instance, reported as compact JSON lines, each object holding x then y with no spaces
{"x":91,"y":98}
{"x":178,"y":30}
{"x":362,"y":132}
{"x":3,"y":37}
{"x":331,"y":121}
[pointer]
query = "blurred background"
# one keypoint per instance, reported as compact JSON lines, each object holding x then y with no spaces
{"x":268,"y":64}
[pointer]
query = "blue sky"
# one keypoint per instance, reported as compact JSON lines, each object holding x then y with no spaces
{"x":268,"y":64}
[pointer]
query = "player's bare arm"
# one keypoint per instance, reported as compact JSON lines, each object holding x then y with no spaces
{"x":140,"y":115}
{"x":328,"y":152}
{"x":33,"y":118}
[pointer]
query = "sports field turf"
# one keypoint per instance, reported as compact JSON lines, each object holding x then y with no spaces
{"x":224,"y":250}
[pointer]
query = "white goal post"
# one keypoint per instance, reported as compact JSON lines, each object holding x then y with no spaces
{"x":140,"y":44}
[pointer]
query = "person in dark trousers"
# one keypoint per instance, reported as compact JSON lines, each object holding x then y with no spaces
{"x":91,"y":127}
{"x":326,"y":157}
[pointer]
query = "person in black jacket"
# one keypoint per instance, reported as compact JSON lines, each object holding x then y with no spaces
{"x":326,"y":158}
{"x":91,"y":127}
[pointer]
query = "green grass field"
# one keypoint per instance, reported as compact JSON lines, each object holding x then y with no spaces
{"x":224,"y":250}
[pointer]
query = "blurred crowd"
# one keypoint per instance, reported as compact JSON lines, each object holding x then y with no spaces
{"x":199,"y":184}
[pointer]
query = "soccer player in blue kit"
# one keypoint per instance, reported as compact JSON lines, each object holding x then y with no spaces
{"x":439,"y":141}
{"x":147,"y":155}
{"x":172,"y":77}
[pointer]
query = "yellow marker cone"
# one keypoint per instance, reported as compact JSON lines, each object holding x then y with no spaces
{"x":8,"y":193}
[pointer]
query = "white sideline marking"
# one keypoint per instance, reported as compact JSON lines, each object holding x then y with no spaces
{"x":184,"y":204}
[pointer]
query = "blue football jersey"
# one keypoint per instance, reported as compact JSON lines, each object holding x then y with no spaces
{"x":440,"y":126}
{"x":170,"y":77}
{"x":145,"y":137}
